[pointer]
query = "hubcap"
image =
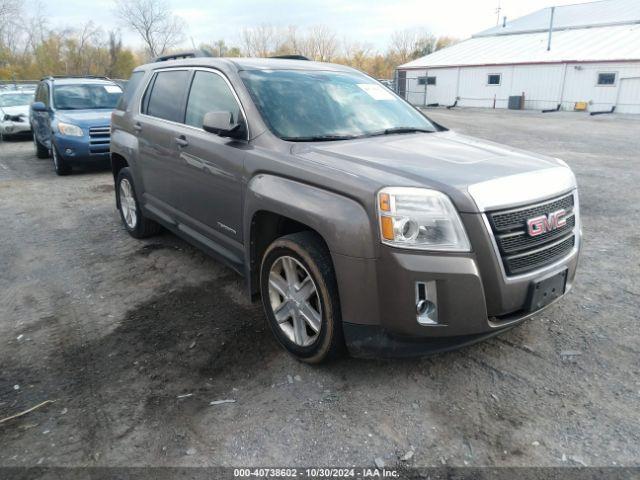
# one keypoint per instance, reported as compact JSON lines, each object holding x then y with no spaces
{"x":294,"y":300}
{"x":128,"y":204}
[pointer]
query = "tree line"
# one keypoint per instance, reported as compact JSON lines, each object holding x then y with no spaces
{"x":31,"y":48}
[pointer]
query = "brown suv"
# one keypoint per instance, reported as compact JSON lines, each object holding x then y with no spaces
{"x":358,"y":220}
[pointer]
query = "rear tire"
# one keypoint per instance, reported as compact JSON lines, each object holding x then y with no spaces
{"x":41,"y":150}
{"x":300,"y":297}
{"x":59,"y":164}
{"x":131,"y":215}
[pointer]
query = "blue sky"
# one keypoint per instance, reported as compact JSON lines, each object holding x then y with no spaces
{"x":367,"y":21}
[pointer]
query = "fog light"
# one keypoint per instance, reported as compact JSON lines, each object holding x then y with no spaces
{"x":426,"y":303}
{"x":68,"y":151}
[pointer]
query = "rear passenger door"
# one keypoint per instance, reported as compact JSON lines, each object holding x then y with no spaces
{"x":212,"y":166}
{"x":162,"y":108}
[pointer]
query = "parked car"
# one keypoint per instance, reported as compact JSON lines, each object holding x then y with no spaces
{"x":70,"y":120}
{"x":14,"y":112}
{"x":357,"y":219}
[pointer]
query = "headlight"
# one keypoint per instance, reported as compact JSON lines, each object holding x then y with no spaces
{"x":420,"y":218}
{"x":69,"y":130}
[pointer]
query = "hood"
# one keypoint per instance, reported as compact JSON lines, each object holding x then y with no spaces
{"x":445,"y":161}
{"x":85,"y":118}
{"x":19,"y":110}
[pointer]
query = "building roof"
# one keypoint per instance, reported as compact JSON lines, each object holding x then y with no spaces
{"x":576,"y":38}
{"x":605,"y":12}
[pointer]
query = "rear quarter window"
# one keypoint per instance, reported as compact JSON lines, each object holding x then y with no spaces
{"x":166,"y":98}
{"x":130,"y":90}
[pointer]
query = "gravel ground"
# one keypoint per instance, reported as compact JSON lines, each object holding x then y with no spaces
{"x":134,"y":339}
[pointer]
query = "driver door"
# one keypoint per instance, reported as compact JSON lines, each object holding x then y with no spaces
{"x":211,"y":166}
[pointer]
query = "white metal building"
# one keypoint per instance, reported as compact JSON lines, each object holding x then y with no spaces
{"x":587,"y":52}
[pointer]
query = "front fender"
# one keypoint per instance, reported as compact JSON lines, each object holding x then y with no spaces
{"x":342,"y":222}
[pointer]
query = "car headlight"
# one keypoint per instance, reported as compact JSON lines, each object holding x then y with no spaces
{"x":70,"y":130}
{"x":421,"y":219}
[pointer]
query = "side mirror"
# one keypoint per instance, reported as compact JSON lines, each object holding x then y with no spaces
{"x":220,"y":124}
{"x":39,"y":107}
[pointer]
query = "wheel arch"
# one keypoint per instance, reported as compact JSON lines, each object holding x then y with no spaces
{"x":276,"y":206}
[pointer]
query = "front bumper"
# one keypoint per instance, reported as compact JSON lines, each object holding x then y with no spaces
{"x":79,"y":151}
{"x":8,"y":127}
{"x":475,"y":300}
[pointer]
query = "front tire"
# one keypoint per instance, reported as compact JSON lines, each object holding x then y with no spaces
{"x":132,"y":217}
{"x":41,"y":150}
{"x":300,"y":297}
{"x":59,"y":164}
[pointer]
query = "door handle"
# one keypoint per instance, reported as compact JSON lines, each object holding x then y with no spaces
{"x":181,"y":141}
{"x":137,"y":127}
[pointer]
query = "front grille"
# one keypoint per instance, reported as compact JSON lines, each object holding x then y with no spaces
{"x":99,"y":139}
{"x":522,"y":253}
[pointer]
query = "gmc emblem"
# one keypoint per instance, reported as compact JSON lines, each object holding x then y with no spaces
{"x":546,"y":223}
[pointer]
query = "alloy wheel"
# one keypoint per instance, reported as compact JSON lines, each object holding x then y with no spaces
{"x":295,"y":302}
{"x":128,"y":204}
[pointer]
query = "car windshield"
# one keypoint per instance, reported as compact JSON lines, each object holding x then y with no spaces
{"x":305,"y":105}
{"x":15,"y":99}
{"x":86,"y":97}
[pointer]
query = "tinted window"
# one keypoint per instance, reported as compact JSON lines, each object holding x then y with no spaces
{"x":606,"y":79}
{"x":210,"y":93}
{"x":494,"y":79}
{"x":43,"y":94}
{"x":324,"y":105}
{"x":129,"y":90}
{"x":165,"y":99}
{"x":426,"y":80}
{"x":91,"y":96}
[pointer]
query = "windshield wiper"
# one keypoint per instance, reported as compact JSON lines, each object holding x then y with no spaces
{"x":319,"y":138}
{"x":394,"y":130}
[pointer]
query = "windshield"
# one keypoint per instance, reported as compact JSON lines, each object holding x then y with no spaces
{"x":15,"y":99}
{"x":86,"y":97}
{"x":321,"y":105}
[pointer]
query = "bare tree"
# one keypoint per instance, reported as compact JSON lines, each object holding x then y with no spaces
{"x":115,"y":49}
{"x":153,"y":21}
{"x":409,"y":44}
{"x":259,"y":41}
{"x":321,"y":44}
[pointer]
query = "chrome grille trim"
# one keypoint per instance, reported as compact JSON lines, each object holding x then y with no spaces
{"x":571,"y":234}
{"x":99,"y":139}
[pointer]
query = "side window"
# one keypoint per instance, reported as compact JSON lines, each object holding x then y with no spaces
{"x":45,"y":95}
{"x":607,"y":79}
{"x":167,"y":92}
{"x":494,"y":79}
{"x":42,"y":94}
{"x":130,"y":90}
{"x":209,"y":93}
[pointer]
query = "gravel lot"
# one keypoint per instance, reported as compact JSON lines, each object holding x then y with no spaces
{"x":134,"y":339}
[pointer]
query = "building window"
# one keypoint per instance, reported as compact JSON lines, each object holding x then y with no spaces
{"x":426,"y":80}
{"x":494,"y":79}
{"x":607,"y":79}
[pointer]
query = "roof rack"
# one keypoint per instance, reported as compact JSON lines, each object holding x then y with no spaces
{"x":291,"y":57}
{"x":53,"y":77}
{"x":179,"y":55}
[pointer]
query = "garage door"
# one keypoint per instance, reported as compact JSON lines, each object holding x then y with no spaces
{"x":629,"y":96}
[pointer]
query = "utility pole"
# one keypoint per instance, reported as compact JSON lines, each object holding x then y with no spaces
{"x":498,"y":10}
{"x":553,"y":11}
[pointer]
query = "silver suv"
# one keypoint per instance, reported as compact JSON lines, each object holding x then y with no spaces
{"x":358,"y":221}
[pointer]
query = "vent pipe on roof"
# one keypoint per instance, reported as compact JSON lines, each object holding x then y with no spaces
{"x":553,"y":11}
{"x":504,"y":22}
